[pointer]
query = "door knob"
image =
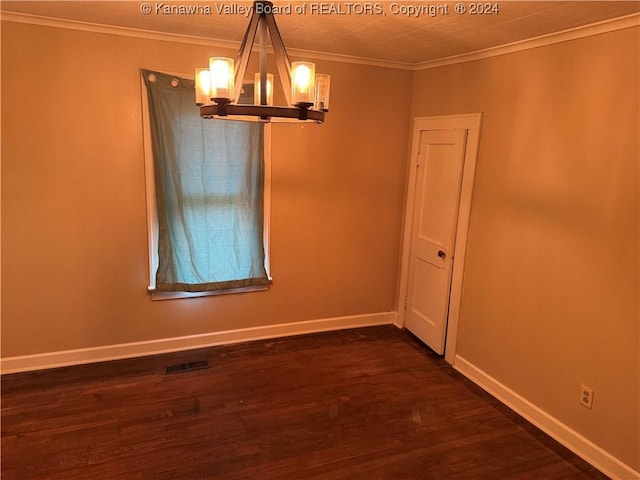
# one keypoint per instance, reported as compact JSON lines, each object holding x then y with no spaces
{"x":441,"y":254}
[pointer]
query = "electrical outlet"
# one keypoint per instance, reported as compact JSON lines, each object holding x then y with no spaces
{"x":586,"y":396}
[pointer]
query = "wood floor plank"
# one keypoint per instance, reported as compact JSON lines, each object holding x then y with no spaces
{"x":370,"y":403}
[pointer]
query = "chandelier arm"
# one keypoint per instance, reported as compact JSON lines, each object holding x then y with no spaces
{"x":282,"y":58}
{"x":242,"y":60}
{"x":263,"y":61}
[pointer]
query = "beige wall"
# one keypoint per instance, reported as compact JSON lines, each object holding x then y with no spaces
{"x":550,"y":295}
{"x":74,"y":241}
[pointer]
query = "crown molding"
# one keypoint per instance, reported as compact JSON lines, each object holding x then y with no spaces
{"x":605,"y":26}
{"x":187,"y":39}
{"x":337,"y":57}
{"x":113,"y":30}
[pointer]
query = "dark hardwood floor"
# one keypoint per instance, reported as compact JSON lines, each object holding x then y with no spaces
{"x":370,"y":403}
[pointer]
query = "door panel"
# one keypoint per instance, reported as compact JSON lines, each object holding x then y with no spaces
{"x":437,"y":198}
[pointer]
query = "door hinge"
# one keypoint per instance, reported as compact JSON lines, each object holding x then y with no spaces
{"x":406,"y":301}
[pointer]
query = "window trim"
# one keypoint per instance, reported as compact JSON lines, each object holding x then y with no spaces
{"x":152,"y":212}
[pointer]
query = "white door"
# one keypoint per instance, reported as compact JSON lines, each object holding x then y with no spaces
{"x":435,"y":215}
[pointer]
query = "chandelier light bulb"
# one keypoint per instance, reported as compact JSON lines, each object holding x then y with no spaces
{"x":203,"y":86}
{"x":302,"y":82}
{"x":256,"y":90}
{"x":221,"y":73}
{"x":323,"y":85}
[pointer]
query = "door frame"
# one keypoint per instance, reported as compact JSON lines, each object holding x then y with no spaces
{"x":470,"y":122}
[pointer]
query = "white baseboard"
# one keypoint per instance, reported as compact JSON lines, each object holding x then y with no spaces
{"x":152,"y":347}
{"x":584,"y":448}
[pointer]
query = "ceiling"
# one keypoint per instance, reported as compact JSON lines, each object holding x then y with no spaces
{"x":391,"y":35}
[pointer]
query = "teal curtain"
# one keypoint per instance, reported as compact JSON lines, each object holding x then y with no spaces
{"x":209,"y":193}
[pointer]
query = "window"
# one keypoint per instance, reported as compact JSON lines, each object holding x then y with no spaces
{"x":206,"y":195}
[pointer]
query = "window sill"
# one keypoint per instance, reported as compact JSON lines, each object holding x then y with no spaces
{"x":161,"y":295}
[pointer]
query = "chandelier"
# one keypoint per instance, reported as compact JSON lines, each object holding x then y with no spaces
{"x":218,"y":88}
